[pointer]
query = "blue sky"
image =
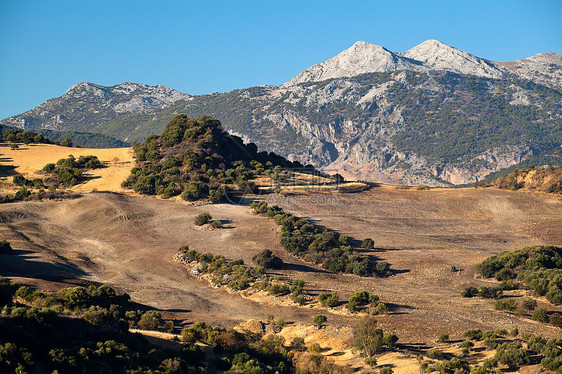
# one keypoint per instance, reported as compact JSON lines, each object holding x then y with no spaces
{"x":217,"y":46}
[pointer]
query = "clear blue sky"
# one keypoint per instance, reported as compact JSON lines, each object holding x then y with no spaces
{"x":217,"y":46}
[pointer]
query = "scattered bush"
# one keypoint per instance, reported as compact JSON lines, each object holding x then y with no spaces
{"x":512,"y":355}
{"x":508,"y":305}
{"x":529,"y":304}
{"x":321,"y":246}
{"x":5,"y":247}
{"x":473,"y":334}
{"x":319,"y":320}
{"x":267,"y":259}
{"x":470,"y":292}
{"x":216,"y":224}
{"x":443,"y":338}
{"x":202,"y":219}
{"x":368,"y":243}
{"x":541,"y":315}
{"x":329,"y":299}
{"x":539,"y":267}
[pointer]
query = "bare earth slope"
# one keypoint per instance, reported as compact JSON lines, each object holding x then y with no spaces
{"x":129,"y":241}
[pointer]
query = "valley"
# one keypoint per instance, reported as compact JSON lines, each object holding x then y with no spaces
{"x":103,"y":231}
{"x":129,"y":241}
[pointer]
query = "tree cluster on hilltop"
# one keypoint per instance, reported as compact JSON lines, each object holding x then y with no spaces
{"x":199,"y":160}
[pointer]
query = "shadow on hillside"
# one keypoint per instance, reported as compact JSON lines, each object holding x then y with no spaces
{"x":7,"y":170}
{"x":22,"y":263}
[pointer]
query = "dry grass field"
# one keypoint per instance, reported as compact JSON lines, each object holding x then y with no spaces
{"x":128,"y":241}
{"x":30,"y":159}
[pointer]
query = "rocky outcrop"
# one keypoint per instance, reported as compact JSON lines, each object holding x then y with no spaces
{"x":542,"y":68}
{"x":435,"y":55}
{"x":360,"y":58}
{"x":85,"y":106}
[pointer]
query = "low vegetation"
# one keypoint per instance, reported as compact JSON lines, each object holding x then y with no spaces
{"x":85,"y":330}
{"x":69,"y":171}
{"x":62,"y":138}
{"x":538,"y":267}
{"x":22,"y":136}
{"x":197,"y":159}
{"x":370,"y":339}
{"x":321,"y":246}
{"x":267,"y":259}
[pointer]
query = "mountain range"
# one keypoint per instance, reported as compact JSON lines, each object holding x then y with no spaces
{"x":431,"y":115}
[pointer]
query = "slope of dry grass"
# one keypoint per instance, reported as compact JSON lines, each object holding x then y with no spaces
{"x":28,"y":160}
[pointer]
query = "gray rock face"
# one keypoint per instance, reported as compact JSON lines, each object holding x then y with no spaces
{"x":364,"y":57}
{"x":543,"y":68}
{"x":85,"y":106}
{"x":361,"y":58}
{"x":439,"y":56}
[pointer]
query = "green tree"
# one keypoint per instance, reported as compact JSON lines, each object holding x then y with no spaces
{"x":267,"y":259}
{"x":66,"y":142}
{"x":150,"y":320}
{"x":368,"y":338}
{"x":319,"y":320}
{"x":203,"y":218}
{"x":368,"y":243}
{"x":329,"y":299}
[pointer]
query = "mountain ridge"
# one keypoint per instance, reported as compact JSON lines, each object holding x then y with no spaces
{"x":406,"y":123}
{"x":363,"y":57}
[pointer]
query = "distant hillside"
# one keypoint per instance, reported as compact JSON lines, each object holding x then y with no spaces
{"x":433,"y":115}
{"x":79,"y":139}
{"x":544,"y":178}
{"x":85,"y":106}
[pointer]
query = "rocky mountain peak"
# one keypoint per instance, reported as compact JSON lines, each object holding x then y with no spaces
{"x":544,"y":68}
{"x":436,"y":55}
{"x":360,"y":58}
{"x":363,"y":57}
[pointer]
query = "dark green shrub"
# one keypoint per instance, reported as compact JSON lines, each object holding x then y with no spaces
{"x":19,"y":180}
{"x":5,"y":247}
{"x":473,"y":334}
{"x":319,"y":320}
{"x":329,"y":299}
{"x":508,"y":305}
{"x":541,"y":315}
{"x":22,"y":193}
{"x":278,"y":289}
{"x":195,"y":191}
{"x":512,"y":355}
{"x":368,"y":243}
{"x":529,"y":304}
{"x":267,"y":259}
{"x":202,"y":219}
{"x":469,"y":292}
{"x":150,"y":320}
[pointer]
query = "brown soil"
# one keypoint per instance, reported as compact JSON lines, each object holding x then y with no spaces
{"x":129,"y":241}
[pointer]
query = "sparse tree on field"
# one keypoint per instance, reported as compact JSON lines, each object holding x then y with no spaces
{"x":319,"y":320}
{"x":368,"y":338}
